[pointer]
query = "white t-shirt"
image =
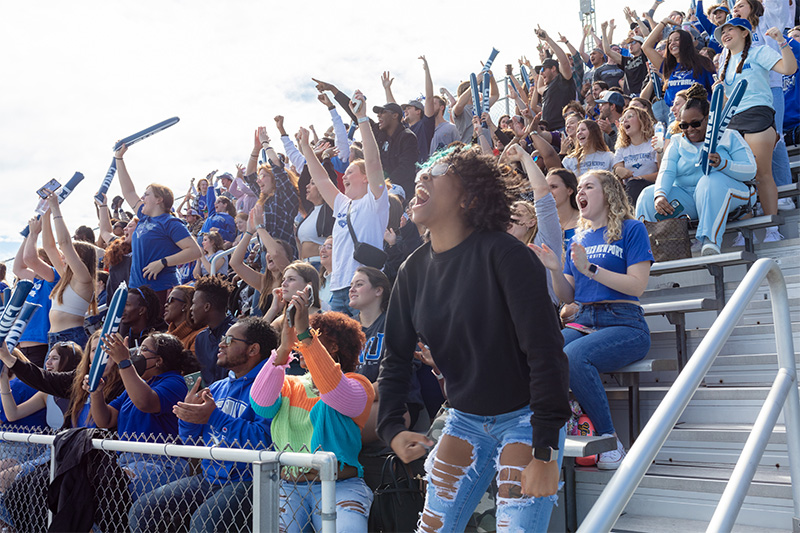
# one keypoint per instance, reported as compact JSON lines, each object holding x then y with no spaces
{"x":369,"y":217}
{"x":595,"y":161}
{"x":641,"y":158}
{"x":307,"y":230}
{"x":755,"y":69}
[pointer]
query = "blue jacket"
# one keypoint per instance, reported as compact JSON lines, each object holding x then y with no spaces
{"x":791,"y":94}
{"x":233,"y":424}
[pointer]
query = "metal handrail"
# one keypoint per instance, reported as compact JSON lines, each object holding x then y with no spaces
{"x":223,"y":253}
{"x":784,"y":392}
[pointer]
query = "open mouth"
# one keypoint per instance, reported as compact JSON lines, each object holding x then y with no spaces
{"x":582,"y":203}
{"x":421,"y":196}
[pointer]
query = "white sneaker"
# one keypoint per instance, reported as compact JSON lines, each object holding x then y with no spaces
{"x":696,"y":245}
{"x":757,"y":210}
{"x":611,"y":460}
{"x":785,"y":204}
{"x":773,"y":235}
{"x":739,"y":240}
{"x":709,"y":248}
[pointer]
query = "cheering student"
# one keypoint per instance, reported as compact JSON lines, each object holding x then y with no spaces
{"x":160,"y":241}
{"x":464,"y":201}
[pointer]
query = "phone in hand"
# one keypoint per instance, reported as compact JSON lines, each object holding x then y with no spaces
{"x":290,"y":310}
{"x":580,"y":327}
{"x":677,"y":210}
{"x":48,"y":188}
{"x":193,"y":378}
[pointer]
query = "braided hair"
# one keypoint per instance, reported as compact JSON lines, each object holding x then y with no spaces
{"x":697,"y":97}
{"x":748,"y":40}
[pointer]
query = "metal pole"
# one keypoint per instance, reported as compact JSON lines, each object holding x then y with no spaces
{"x":620,"y":488}
{"x":266,"y":495}
{"x":732,"y":498}
{"x":328,"y":468}
{"x":786,"y":361}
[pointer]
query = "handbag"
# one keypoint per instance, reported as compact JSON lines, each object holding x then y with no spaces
{"x":365,"y":253}
{"x":669,"y":238}
{"x":398,"y":500}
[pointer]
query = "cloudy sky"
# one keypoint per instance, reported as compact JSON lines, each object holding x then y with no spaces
{"x":80,"y":75}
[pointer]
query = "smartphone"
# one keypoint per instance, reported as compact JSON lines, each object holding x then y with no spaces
{"x":677,"y":210}
{"x":356,"y":104}
{"x":193,"y":378}
{"x":290,"y":311}
{"x":580,"y":327}
{"x":49,"y":187}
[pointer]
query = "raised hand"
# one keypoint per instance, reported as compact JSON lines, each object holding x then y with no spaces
{"x":386,"y":79}
{"x":424,"y":63}
{"x":562,"y":39}
{"x":324,"y":86}
{"x":263,"y":138}
{"x":323,"y":98}
{"x":604,"y":26}
{"x":362,"y":111}
{"x":775,"y":34}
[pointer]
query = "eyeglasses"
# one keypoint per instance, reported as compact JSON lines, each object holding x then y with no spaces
{"x":434,"y":171}
{"x":226,"y":340}
{"x":686,"y":125}
{"x":144,"y":348}
{"x":64,"y":344}
{"x":174,"y":299}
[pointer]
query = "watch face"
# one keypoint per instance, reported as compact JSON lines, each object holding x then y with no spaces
{"x":543,"y":454}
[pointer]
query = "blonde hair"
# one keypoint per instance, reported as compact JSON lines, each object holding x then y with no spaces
{"x":619,"y":208}
{"x":529,"y":210}
{"x":596,"y":141}
{"x":623,"y":139}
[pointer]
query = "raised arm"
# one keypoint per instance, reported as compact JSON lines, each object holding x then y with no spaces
{"x":125,"y":181}
{"x":606,"y":39}
{"x":104,"y":218}
{"x":429,"y":112}
{"x":564,"y":64}
{"x":252,"y":277}
{"x":31,"y":253}
{"x":386,"y":81}
{"x":582,"y":50}
{"x":319,"y":176}
{"x":20,"y":267}
{"x":463,"y":100}
{"x":49,"y":243}
{"x":294,"y":155}
{"x":79,"y":271}
{"x":649,"y":46}
{"x":787,"y":64}
{"x":372,"y":157}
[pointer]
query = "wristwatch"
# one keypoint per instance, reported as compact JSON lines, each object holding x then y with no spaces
{"x":124,"y":364}
{"x":164,"y":261}
{"x":592,"y":269}
{"x":545,"y":454}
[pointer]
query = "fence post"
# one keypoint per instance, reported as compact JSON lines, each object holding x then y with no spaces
{"x":266,"y":495}
{"x":52,"y":478}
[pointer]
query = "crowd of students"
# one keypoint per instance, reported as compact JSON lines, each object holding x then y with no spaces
{"x":369,"y":280}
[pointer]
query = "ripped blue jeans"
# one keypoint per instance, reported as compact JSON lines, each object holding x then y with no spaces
{"x":454,"y":491}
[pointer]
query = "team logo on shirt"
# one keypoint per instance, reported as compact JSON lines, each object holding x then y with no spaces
{"x":372,"y":349}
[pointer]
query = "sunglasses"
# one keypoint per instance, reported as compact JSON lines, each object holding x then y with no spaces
{"x":226,"y":340}
{"x":434,"y":171}
{"x":686,"y":125}
{"x":174,"y":299}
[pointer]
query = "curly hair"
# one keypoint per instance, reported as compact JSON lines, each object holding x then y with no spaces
{"x":116,"y":252}
{"x":345,"y":332}
{"x":216,"y":290}
{"x":489,"y":190}
{"x":173,"y":355}
{"x":150,"y":302}
{"x":623,"y":139}
{"x":696,"y":97}
{"x":619,"y":209}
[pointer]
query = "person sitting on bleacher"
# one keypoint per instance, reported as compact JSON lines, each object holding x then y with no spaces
{"x":219,"y":497}
{"x":706,"y":198}
{"x":606,"y":271}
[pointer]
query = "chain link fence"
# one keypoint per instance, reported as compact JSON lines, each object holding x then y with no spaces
{"x":102,"y":482}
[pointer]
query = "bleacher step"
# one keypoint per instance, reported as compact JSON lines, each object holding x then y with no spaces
{"x":634,"y":523}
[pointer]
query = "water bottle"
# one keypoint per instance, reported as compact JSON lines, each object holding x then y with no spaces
{"x":659,"y":134}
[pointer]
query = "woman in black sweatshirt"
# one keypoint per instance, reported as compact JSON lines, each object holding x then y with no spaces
{"x":478,"y":298}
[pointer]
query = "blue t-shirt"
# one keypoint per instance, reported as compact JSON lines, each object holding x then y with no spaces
{"x":632,"y":248}
{"x":681,"y":79}
{"x":755,"y":69}
{"x":39,"y":324}
{"x":171,"y":389}
{"x":153,"y":240}
{"x":224,"y":223}
{"x":791,"y":94}
{"x":22,"y":393}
